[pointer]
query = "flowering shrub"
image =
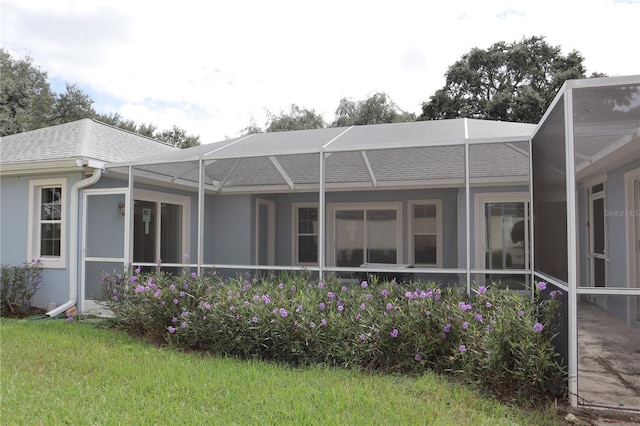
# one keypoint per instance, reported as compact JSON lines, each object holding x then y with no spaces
{"x":18,"y":285}
{"x":499,"y":340}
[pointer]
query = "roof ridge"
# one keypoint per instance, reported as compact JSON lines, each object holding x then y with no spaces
{"x":128,"y":131}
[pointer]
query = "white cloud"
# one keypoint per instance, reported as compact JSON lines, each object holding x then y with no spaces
{"x":211,"y":66}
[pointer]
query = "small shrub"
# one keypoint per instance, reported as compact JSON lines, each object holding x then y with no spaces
{"x":496,"y":339}
{"x":18,"y":285}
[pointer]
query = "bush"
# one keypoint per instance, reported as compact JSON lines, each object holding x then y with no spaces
{"x":497,"y":339}
{"x":18,"y":285}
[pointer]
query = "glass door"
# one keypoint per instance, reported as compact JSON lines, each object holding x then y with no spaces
{"x":597,"y":242}
{"x":157,"y":232}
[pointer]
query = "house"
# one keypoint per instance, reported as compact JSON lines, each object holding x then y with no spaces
{"x":447,"y":200}
{"x":42,"y":175}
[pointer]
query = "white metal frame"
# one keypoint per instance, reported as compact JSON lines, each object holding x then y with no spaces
{"x":87,"y":304}
{"x":632,"y":215}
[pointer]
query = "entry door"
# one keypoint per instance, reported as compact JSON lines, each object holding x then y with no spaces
{"x":157,"y":232}
{"x":104,"y":242}
{"x":265,"y":232}
{"x":597,"y":241}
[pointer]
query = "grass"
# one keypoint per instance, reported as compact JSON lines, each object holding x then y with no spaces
{"x":55,"y":372}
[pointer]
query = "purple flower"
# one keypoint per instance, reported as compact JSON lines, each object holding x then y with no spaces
{"x":232,"y":308}
{"x":139,"y":289}
{"x":171,"y":329}
{"x":340,"y":308}
{"x":358,"y":316}
{"x":344,"y":288}
{"x":488,"y":304}
{"x":293,"y":288}
{"x":479,"y":317}
{"x":465,"y":325}
{"x":482,"y":289}
{"x":132,"y":279}
{"x":364,"y":284}
{"x":254,"y":319}
{"x":489,"y":328}
{"x":184,"y":314}
{"x":320,"y":285}
{"x":182,"y":293}
{"x":280,"y":286}
{"x":322,"y":306}
{"x":538,"y":327}
{"x":184,"y":324}
{"x":394,"y":333}
{"x":299,"y":308}
{"x":323,"y":322}
{"x":174,"y":320}
{"x":409,"y":295}
{"x":369,"y":296}
{"x":256,"y":298}
{"x":283,"y":313}
{"x":312,"y":325}
{"x":230,"y":293}
{"x":423,"y":295}
{"x":384,"y":293}
{"x":427,"y":313}
{"x":389,"y":306}
{"x":417,"y":357}
{"x":520,"y":314}
{"x":462,"y":348}
{"x":331,"y":295}
{"x":247,"y":303}
{"x":362,"y":307}
{"x":362,"y":337}
{"x":175,"y":301}
{"x":447,"y":328}
{"x":542,"y":285}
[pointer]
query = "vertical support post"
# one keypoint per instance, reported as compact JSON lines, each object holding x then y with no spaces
{"x":467,"y":185}
{"x":572,"y":255}
{"x":200,"y":254}
{"x":128,"y":226}
{"x":321,"y":218}
{"x":531,"y":221}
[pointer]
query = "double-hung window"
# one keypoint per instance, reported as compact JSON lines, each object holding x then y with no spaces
{"x":425,"y":233}
{"x":47,"y":216}
{"x":306,"y":234}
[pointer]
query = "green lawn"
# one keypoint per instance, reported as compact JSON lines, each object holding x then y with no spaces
{"x":54,"y":372}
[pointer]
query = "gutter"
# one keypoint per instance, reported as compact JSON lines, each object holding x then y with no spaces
{"x":73,"y":235}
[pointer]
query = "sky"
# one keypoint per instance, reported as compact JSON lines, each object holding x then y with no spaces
{"x":212,"y":67}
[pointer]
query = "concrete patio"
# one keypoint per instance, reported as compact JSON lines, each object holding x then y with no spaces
{"x":608,"y":360}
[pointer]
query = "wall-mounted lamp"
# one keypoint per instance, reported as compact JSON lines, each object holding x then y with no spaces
{"x":121,"y":207}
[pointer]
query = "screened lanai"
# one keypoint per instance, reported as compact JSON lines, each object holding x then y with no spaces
{"x":397,"y":198}
{"x":586,"y":204}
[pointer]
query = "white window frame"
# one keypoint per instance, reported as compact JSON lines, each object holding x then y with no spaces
{"x":295,"y":207}
{"x":163,"y":197}
{"x":34,"y":220}
{"x":439,"y":236}
{"x":331,"y":208}
{"x":497,"y":197}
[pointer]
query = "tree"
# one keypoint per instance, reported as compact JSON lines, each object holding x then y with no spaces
{"x":178,"y":137}
{"x":376,"y":109}
{"x":26,"y":99}
{"x":508,"y":81}
{"x":297,"y":119}
{"x":71,"y":105}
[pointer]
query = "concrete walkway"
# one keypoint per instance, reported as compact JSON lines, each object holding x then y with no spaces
{"x":608,"y":360}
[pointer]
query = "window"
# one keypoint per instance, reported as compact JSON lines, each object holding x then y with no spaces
{"x":306,"y":234}
{"x":366,"y":233}
{"x":47,"y":216}
{"x":425,"y":232}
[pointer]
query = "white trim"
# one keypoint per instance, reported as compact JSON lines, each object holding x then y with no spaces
{"x":163,"y":197}
{"x":294,"y":232}
{"x":591,"y":197}
{"x":33,"y":229}
{"x":271,"y":230}
{"x":479,"y":222}
{"x":439,"y":231}
{"x":391,"y":205}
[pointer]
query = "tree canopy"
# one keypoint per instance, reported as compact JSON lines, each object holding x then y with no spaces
{"x":376,"y":109}
{"x":28,"y":103}
{"x":508,"y":82}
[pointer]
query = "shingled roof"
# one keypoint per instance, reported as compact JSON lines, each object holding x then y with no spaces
{"x":82,"y":139}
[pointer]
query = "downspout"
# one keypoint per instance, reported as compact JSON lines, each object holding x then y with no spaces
{"x":73,"y":239}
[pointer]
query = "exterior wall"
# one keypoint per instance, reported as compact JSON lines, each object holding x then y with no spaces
{"x":14,"y":225}
{"x":228,"y":237}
